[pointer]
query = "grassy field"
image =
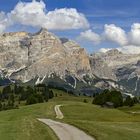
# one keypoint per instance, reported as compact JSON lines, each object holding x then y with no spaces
{"x":102,"y":123}
{"x":21,"y":124}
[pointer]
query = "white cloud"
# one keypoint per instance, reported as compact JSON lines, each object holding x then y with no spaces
{"x":90,"y":36}
{"x":4,"y":21}
{"x":129,"y":43}
{"x":115,"y":34}
{"x":66,"y":19}
{"x":111,"y":33}
{"x":104,"y":50}
{"x":34,"y":14}
{"x":134,"y":34}
{"x":31,"y":13}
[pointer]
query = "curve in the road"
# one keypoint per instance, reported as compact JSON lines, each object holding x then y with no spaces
{"x":66,"y":131}
{"x":59,"y":114}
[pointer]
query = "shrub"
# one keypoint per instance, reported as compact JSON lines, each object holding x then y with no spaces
{"x":51,"y":95}
{"x":129,"y":101}
{"x":85,"y":101}
{"x":39,"y":98}
{"x":31,"y":100}
{"x":109,"y":96}
{"x":135,"y":99}
{"x":0,"y":106}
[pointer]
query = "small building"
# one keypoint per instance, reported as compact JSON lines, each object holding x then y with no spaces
{"x":108,"y":105}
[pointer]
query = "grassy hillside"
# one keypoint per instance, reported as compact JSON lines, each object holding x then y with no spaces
{"x":21,"y":124}
{"x":102,"y":123}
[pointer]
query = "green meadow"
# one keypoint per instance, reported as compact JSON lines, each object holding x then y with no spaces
{"x":102,"y":123}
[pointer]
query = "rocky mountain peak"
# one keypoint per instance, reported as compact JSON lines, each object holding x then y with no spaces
{"x":42,"y":31}
{"x":25,"y":56}
{"x":113,"y":52}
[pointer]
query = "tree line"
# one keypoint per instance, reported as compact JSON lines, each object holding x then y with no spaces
{"x":12,"y":95}
{"x":114,"y":97}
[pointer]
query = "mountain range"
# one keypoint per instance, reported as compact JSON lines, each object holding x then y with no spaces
{"x":43,"y":57}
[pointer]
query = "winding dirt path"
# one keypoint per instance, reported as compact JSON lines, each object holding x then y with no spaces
{"x":59,"y":114}
{"x":65,"y":131}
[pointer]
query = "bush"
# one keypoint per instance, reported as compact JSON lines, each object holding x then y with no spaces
{"x":6,"y":92}
{"x":129,"y":101}
{"x":39,"y":98}
{"x":85,"y":101}
{"x":35,"y":98}
{"x":31,"y":100}
{"x":0,"y":106}
{"x":51,"y":95}
{"x":135,"y":99}
{"x":109,"y":96}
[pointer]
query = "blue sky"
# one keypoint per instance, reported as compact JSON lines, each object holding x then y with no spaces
{"x":122,"y":13}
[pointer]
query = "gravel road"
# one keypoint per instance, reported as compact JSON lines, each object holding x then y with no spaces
{"x":65,"y":131}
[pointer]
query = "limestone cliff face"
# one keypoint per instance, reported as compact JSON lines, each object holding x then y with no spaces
{"x":25,"y":56}
{"x":13,"y":55}
{"x":122,"y":68}
{"x":105,"y":65}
